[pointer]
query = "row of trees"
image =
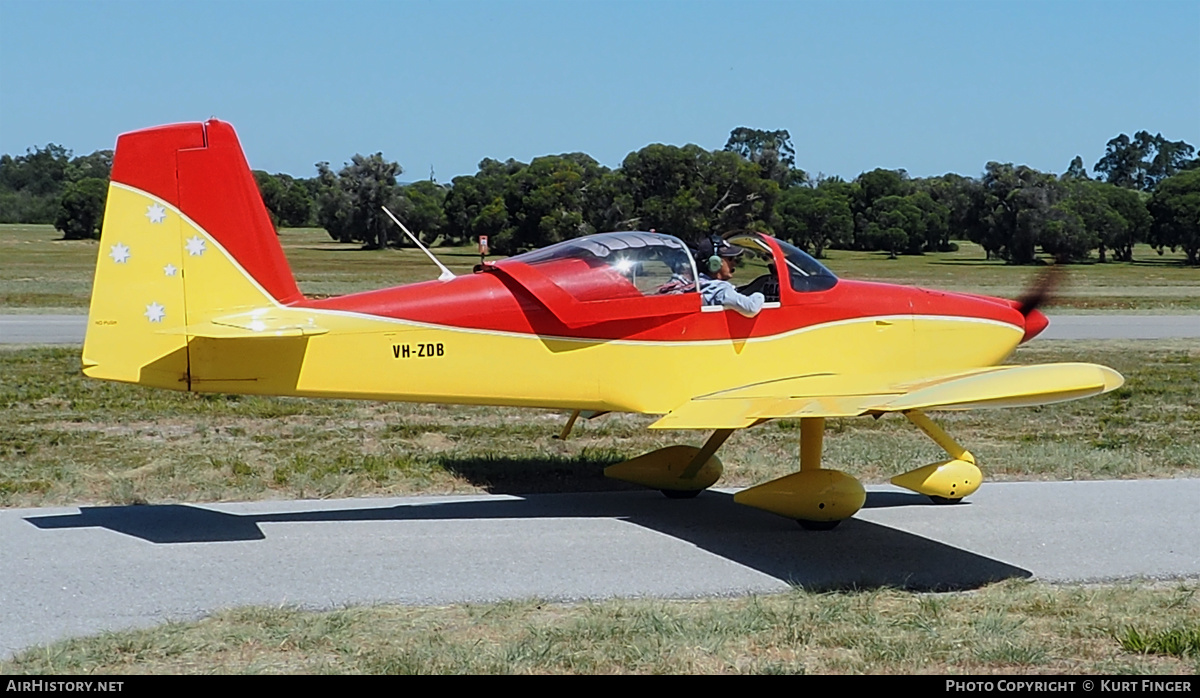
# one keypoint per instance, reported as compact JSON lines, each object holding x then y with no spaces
{"x":1148,"y":190}
{"x":1014,"y":212}
{"x":50,"y":185}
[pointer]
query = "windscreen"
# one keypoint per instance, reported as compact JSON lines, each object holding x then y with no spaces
{"x":758,"y":273}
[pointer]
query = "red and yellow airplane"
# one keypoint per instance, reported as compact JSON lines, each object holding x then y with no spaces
{"x":193,"y":292}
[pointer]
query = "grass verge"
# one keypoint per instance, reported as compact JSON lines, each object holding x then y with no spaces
{"x":1015,"y":627}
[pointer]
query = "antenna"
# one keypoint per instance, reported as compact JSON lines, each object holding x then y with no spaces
{"x":446,"y":274}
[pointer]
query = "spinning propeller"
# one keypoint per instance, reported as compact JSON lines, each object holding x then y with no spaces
{"x":1036,"y":296}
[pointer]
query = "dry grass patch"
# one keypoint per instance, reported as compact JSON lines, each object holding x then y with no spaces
{"x":1014,"y":627}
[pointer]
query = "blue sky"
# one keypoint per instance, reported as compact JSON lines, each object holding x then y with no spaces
{"x":931,"y":87}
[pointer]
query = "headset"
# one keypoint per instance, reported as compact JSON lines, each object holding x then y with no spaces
{"x":714,"y":262}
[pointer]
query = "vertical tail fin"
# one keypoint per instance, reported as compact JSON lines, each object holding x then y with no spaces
{"x":186,"y":239}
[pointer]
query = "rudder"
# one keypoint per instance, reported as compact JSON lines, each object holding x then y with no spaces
{"x":186,"y":239}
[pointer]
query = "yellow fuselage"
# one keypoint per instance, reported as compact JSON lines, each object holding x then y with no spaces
{"x":219,"y":331}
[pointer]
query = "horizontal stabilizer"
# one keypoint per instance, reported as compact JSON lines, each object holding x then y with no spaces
{"x":255,"y":324}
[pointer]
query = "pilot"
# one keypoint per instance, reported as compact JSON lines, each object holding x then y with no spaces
{"x":713,"y":260}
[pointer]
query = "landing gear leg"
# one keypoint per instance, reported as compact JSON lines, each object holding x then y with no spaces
{"x":586,"y":414}
{"x":566,"y":430}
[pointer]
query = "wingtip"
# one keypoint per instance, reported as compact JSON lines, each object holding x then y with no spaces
{"x":1112,"y":379}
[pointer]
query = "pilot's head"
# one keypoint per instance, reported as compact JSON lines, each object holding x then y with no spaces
{"x":716,"y":263}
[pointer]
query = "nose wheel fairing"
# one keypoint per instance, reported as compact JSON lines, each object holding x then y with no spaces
{"x":945,"y":481}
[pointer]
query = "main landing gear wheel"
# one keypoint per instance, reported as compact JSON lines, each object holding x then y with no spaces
{"x":944,"y":500}
{"x":681,"y":494}
{"x":808,"y":525}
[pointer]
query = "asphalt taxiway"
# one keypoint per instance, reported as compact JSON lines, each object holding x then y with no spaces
{"x":70,"y":571}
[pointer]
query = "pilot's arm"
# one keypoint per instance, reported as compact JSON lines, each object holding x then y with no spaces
{"x":723,"y":293}
{"x":746,"y":305}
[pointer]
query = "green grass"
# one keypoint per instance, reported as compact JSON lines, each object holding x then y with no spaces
{"x":40,"y":271}
{"x":1015,"y":627}
{"x":1179,"y":642}
{"x":65,"y":439}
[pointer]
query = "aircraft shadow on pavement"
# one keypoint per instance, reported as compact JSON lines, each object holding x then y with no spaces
{"x":856,"y":555}
{"x":537,"y":474}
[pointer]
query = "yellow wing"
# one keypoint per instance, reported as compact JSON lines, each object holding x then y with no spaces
{"x":832,"y":395}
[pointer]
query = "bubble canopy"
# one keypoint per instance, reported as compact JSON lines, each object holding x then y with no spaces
{"x":632,"y":264}
{"x":626,"y":264}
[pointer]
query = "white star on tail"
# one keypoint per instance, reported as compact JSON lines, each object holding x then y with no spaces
{"x":170,"y":270}
{"x":119,"y":253}
{"x":156,"y":213}
{"x":195,"y":246}
{"x":155,"y":312}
